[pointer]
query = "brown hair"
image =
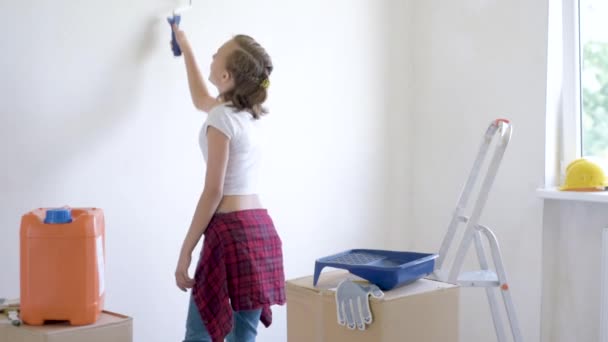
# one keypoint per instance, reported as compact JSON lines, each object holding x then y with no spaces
{"x":250,"y":66}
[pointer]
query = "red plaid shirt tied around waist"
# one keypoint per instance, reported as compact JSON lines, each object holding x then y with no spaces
{"x":241,"y":268}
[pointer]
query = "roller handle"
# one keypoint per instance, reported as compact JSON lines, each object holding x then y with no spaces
{"x":174,"y":46}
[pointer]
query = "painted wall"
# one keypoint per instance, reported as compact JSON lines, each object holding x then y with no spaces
{"x":377,"y":109}
{"x":474,"y":61}
{"x":96,"y":112}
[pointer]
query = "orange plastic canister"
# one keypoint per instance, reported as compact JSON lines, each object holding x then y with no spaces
{"x":62,"y":265}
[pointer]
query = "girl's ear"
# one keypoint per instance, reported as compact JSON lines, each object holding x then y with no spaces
{"x":226,"y":76}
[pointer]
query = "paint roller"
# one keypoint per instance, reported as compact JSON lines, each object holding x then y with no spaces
{"x":176,"y":20}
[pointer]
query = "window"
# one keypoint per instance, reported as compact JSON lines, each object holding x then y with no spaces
{"x":577,"y":86}
{"x":585,"y":82}
{"x":593,"y":50}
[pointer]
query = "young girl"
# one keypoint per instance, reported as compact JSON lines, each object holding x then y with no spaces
{"x":240,"y":271}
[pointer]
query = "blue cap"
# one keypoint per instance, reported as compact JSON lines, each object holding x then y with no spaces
{"x":57,"y":216}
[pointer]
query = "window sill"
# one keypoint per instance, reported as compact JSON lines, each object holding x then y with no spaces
{"x":555,"y":194}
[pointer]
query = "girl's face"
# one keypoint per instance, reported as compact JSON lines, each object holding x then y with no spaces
{"x":218,"y":75}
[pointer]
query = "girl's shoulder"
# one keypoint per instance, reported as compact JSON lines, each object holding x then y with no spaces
{"x":220,"y":108}
{"x":223,"y":118}
{"x":226,"y":110}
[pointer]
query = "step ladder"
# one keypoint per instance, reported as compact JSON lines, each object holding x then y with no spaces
{"x":486,"y":278}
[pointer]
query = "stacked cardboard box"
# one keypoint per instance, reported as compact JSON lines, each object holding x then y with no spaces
{"x":110,"y":327}
{"x":423,"y":311}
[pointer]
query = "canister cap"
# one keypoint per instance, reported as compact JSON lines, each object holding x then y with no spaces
{"x":58,"y":216}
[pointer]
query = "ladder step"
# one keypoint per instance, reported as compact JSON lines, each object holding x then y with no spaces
{"x":482,"y":278}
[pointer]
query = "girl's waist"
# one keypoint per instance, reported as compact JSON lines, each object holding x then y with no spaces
{"x":230,"y":203}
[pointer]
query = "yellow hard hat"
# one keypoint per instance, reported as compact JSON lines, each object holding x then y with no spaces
{"x":584,"y":175}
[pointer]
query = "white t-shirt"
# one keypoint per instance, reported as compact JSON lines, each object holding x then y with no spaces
{"x":245,"y":148}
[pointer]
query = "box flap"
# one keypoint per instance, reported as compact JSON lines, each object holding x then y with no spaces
{"x":106,"y":318}
{"x":328,"y":281}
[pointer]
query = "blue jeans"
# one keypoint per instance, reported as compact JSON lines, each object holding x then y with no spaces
{"x":244,"y":327}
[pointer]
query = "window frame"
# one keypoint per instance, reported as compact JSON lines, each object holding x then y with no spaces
{"x":571,"y":148}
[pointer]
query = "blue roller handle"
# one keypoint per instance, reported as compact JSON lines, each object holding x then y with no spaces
{"x":174,"y":46}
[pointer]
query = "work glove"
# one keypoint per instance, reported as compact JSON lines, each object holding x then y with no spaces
{"x":352,"y":303}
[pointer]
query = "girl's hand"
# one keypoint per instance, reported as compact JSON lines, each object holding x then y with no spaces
{"x":180,"y":37}
{"x":182,"y":279}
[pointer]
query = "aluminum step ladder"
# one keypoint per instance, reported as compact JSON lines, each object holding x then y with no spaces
{"x":486,"y":278}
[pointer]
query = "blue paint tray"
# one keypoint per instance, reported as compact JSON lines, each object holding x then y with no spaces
{"x":386,"y":269}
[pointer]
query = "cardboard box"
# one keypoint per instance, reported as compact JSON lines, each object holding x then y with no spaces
{"x":423,"y":311}
{"x":110,"y":327}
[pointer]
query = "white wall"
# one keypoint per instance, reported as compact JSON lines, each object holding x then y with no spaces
{"x":572,"y":242}
{"x":377,"y":109}
{"x":95,"y":112}
{"x":398,"y":133}
{"x":475,"y":61}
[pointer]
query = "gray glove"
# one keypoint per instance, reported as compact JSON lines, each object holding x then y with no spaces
{"x":13,"y":317}
{"x":352,"y":303}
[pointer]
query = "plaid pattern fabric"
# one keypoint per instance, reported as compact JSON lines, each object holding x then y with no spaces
{"x":241,"y":268}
